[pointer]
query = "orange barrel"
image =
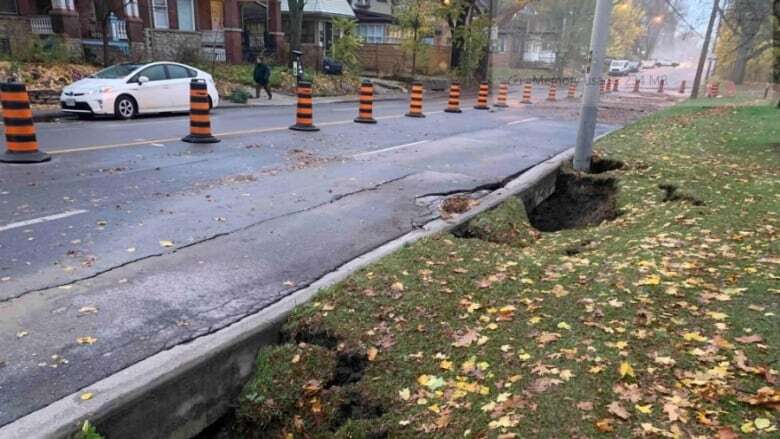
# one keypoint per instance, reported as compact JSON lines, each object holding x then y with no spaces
{"x":503,"y":91}
{"x":572,"y":91}
{"x":636,"y":86}
{"x":20,"y":141}
{"x":715,"y":90}
{"x":682,"y":87}
{"x":661,"y":86}
{"x":616,"y":85}
{"x":552,"y":93}
{"x":527,"y":91}
{"x":453,"y":104}
{"x":304,"y":117}
{"x":482,"y":97}
{"x":416,"y":101}
{"x":366,"y":108}
{"x":200,"y":122}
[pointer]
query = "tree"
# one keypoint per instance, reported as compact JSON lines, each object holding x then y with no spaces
{"x":346,"y":43}
{"x":473,"y":39}
{"x":415,"y":18}
{"x":458,"y":14}
{"x":626,"y":31}
{"x":745,"y":38}
{"x":104,"y":9}
{"x":295,"y":14}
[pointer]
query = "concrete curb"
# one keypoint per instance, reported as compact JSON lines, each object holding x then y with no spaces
{"x":180,"y":391}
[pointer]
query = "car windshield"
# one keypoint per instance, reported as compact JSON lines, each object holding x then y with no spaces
{"x":116,"y":71}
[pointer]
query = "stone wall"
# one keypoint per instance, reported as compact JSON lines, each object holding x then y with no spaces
{"x":14,"y":30}
{"x":171,"y":45}
{"x":390,"y":60}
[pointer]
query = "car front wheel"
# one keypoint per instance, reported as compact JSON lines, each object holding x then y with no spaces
{"x":124,"y":108}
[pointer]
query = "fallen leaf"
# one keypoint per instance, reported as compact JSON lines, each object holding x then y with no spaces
{"x":625,"y":369}
{"x":405,"y":394}
{"x":585,"y":405}
{"x":165,"y":243}
{"x":748,"y":339}
{"x":372,"y":353}
{"x":86,"y":396}
{"x":86,"y":340}
{"x":604,"y":425}
{"x":616,"y":409}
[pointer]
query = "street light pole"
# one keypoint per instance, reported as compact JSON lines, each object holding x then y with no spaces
{"x":590,"y":100}
{"x":704,"y":51}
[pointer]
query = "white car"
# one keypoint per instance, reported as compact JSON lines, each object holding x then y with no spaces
{"x":126,"y":90}
{"x":619,"y":67}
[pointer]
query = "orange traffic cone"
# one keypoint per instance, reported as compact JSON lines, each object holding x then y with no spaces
{"x":482,"y":98}
{"x":527,"y":92}
{"x":366,"y":106}
{"x":20,"y":141}
{"x":572,"y":91}
{"x":416,"y":101}
{"x":200,"y":124}
{"x":304,"y":117}
{"x":453,"y":104}
{"x":552,"y":93}
{"x":636,"y":86}
{"x":503,"y":91}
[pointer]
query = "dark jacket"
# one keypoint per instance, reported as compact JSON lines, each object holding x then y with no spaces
{"x":262,"y":74}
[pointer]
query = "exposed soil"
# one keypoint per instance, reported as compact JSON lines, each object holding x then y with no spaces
{"x":578,"y":201}
{"x":457,"y":205}
{"x":601,"y":165}
{"x":672,"y":193}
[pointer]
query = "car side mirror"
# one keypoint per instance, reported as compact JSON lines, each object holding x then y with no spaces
{"x":142,"y":80}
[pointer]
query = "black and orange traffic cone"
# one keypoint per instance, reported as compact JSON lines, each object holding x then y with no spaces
{"x":416,"y":101}
{"x":453,"y":104}
{"x":715,"y":90}
{"x":636,"y":85}
{"x":601,"y":86}
{"x":304,"y":117}
{"x":661,"y":86}
{"x":200,"y":122}
{"x":552,"y":93}
{"x":366,"y":106}
{"x":572,"y":91}
{"x":527,"y":92}
{"x":20,"y":141}
{"x":482,"y":97}
{"x":503,"y":91}
{"x":616,"y":85}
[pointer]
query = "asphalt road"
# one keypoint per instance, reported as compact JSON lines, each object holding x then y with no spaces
{"x":141,"y":241}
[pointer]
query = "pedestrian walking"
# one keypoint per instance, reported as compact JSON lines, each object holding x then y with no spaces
{"x":262,"y":74}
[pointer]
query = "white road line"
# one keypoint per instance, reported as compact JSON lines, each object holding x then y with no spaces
{"x":378,"y":151}
{"x":530,"y":119}
{"x":42,"y":219}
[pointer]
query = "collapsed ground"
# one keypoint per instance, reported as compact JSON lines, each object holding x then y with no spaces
{"x":659,"y":317}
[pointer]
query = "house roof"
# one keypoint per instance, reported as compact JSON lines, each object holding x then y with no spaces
{"x":323,"y":7}
{"x":364,"y":16}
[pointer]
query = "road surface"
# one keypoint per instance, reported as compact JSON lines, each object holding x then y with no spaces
{"x":130,"y":241}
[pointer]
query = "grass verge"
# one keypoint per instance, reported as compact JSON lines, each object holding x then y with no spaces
{"x":661,"y":323}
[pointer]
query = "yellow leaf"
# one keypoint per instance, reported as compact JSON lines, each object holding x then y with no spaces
{"x":717,"y":315}
{"x":405,"y":394}
{"x":534,"y":320}
{"x":524,"y":356}
{"x":564,"y":325}
{"x":646,"y":409}
{"x":747,"y":427}
{"x":423,"y":379}
{"x":86,"y":396}
{"x":762,"y":423}
{"x":397,"y":286}
{"x":492,"y":326}
{"x":86,"y":340}
{"x":625,"y":369}
{"x":166,"y":243}
{"x":446,"y":365}
{"x":296,"y":358}
{"x":694,"y":336}
{"x":653,"y":279}
{"x":372,"y":353}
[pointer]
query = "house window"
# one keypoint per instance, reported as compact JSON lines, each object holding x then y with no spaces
{"x":8,"y":7}
{"x":186,"y":13}
{"x":372,"y":33}
{"x":307,"y":32}
{"x":501,"y":44}
{"x":160,"y":13}
{"x":131,"y":8}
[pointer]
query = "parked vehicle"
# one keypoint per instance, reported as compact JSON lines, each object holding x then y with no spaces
{"x":633,"y":66}
{"x":619,"y":67}
{"x":666,"y":63}
{"x":127,"y":90}
{"x":648,"y":64}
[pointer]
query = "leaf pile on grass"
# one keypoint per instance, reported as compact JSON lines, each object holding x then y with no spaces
{"x":662,"y":323}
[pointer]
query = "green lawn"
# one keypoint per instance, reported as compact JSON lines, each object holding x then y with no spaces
{"x":661,"y":323}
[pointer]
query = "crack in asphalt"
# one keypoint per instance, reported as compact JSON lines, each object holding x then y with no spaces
{"x":333,"y":199}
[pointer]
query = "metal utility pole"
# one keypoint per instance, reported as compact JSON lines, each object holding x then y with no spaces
{"x":704,"y":51}
{"x":590,"y":100}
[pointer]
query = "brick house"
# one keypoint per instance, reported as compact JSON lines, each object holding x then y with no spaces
{"x":223,"y":30}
